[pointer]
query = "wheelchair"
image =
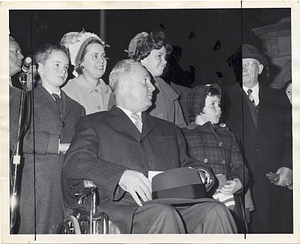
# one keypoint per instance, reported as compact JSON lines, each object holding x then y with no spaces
{"x":85,"y":217}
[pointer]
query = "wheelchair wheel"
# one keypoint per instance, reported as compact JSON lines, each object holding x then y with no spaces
{"x":69,"y":226}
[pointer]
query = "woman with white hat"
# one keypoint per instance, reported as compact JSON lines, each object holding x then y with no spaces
{"x":87,"y":55}
{"x":151,"y":50}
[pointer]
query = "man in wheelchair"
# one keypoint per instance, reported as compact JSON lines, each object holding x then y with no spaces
{"x":117,"y":149}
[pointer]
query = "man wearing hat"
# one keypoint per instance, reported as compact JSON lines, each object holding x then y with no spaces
{"x":117,"y":149}
{"x":262,"y":118}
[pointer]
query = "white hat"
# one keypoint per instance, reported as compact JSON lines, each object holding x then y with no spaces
{"x":75,"y":42}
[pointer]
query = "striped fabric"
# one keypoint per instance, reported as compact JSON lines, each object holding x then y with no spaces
{"x":138,"y":121}
{"x":227,"y":200}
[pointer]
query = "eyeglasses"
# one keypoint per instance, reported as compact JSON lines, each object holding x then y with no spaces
{"x":249,"y":64}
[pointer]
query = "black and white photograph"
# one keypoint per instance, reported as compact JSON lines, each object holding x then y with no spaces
{"x":134,"y":122}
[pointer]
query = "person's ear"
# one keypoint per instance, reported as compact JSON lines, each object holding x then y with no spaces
{"x":260,"y":68}
{"x":40,"y":68}
{"x":123,"y":85}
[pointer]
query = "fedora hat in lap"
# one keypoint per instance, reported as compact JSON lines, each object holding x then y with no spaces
{"x":177,"y":187}
{"x":249,"y":51}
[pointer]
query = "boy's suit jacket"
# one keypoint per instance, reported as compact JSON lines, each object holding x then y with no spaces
{"x":43,"y":162}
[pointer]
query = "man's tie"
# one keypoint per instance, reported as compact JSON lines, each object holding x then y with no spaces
{"x":255,"y":109}
{"x":249,"y":92}
{"x":58,"y":102}
{"x":138,"y":121}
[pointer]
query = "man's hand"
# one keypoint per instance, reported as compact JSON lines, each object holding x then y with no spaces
{"x":205,"y":177}
{"x":232,"y":187}
{"x":273,"y":177}
{"x":137,"y":184}
{"x":285,"y":177}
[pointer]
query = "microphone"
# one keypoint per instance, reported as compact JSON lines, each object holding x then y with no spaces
{"x":25,"y":69}
{"x":26,"y":64}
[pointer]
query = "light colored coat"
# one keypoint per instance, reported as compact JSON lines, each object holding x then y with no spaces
{"x":93,"y":99}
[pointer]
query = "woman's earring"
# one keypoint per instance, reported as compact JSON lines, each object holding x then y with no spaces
{"x":81,"y":66}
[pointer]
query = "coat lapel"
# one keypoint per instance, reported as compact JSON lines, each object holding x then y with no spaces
{"x":42,"y":95}
{"x":263,"y":100}
{"x":67,"y":104}
{"x":237,"y":94}
{"x":125,"y":122}
{"x":148,"y":124}
{"x":122,"y":120}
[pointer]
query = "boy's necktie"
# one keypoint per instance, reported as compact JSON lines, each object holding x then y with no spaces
{"x":58,"y":102}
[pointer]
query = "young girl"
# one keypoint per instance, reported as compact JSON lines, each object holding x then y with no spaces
{"x":53,"y":119}
{"x":216,"y":146}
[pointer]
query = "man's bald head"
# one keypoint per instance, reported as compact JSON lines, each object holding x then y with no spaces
{"x":15,"y":57}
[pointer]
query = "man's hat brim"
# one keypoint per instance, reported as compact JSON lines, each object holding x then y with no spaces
{"x":178,"y":201}
{"x":249,"y":51}
{"x":258,"y":57}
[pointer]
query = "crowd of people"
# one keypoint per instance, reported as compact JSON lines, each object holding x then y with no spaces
{"x":115,"y":133}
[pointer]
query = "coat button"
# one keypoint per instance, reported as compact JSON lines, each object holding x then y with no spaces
{"x":96,"y":90}
{"x":63,"y":124}
{"x":223,"y":162}
{"x":256,"y":150}
{"x":205,"y":160}
{"x":220,"y":144}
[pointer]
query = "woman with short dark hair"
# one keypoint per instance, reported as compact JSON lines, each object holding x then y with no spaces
{"x":151,"y":51}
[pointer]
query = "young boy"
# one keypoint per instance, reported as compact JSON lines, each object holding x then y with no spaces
{"x":54,"y":116}
{"x":216,"y":146}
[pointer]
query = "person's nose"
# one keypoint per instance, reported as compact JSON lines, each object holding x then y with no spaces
{"x":164,"y":61}
{"x":20,"y":56}
{"x":218,"y":108}
{"x":151,"y":87}
{"x":64,"y":71}
{"x":102,"y":59}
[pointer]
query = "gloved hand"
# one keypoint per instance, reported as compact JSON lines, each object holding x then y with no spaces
{"x":231,"y":187}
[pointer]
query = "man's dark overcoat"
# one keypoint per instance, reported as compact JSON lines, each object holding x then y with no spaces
{"x":265,"y":150}
{"x":108,"y":143}
{"x":42,"y":171}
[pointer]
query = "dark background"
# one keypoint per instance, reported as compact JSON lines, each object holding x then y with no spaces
{"x":196,"y":31}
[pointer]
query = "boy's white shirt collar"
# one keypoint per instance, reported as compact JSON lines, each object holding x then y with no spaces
{"x":58,"y":93}
{"x":255,"y":92}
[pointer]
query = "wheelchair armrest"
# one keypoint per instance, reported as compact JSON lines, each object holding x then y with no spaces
{"x":89,"y":184}
{"x":82,"y":191}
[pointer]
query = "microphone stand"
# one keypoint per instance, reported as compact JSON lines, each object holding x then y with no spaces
{"x":16,"y":161}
